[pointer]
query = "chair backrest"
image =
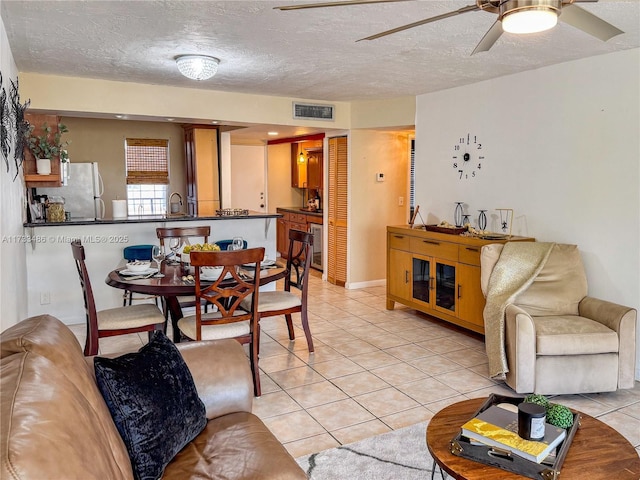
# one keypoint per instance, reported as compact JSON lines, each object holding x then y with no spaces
{"x":183,"y":232}
{"x":227,"y":293}
{"x":298,"y":261}
{"x":557,"y":289}
{"x":87,"y":292}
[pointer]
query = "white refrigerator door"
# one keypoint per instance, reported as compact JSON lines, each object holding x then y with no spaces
{"x":79,"y":193}
{"x":98,"y":191}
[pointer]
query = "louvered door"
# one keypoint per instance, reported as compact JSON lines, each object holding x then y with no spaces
{"x":337,"y":213}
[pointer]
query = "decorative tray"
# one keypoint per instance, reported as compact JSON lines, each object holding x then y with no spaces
{"x":232,"y":212}
{"x":505,"y":460}
{"x":448,"y":230}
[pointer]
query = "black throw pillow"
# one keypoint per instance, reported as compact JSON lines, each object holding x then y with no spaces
{"x":153,"y":402}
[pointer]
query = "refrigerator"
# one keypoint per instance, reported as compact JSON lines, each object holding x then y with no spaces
{"x":82,"y":192}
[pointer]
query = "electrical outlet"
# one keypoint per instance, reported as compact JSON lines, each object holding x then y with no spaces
{"x":400,"y":201}
{"x":45,"y":298}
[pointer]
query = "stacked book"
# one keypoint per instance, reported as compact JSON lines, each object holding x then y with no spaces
{"x":497,"y":427}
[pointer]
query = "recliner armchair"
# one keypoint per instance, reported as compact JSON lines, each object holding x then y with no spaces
{"x":557,"y":339}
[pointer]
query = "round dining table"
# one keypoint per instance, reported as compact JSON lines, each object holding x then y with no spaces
{"x":171,"y":285}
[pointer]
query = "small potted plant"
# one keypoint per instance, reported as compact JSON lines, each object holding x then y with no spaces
{"x":47,"y":146}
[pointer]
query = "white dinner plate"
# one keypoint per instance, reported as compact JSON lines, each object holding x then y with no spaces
{"x":148,"y":271}
{"x":264,"y":263}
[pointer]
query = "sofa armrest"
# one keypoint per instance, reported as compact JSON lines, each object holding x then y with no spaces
{"x":520,"y":338}
{"x":622,"y":320}
{"x":222,"y":375}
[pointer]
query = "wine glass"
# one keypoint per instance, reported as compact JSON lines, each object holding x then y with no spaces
{"x":157,"y":252}
{"x":174,"y":245}
{"x":238,"y":243}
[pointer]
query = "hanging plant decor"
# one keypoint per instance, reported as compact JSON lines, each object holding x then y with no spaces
{"x":21,"y":126}
{"x":5,"y":121}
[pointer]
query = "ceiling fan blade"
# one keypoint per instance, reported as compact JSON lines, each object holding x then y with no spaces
{"x":588,"y":22}
{"x":468,"y":8}
{"x":335,"y":4}
{"x":489,"y":38}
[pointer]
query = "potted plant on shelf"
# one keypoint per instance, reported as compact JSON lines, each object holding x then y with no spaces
{"x":47,"y":146}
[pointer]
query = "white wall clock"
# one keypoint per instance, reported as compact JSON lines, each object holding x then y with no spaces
{"x":468,"y":157}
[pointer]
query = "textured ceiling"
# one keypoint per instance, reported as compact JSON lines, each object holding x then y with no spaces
{"x":308,"y":54}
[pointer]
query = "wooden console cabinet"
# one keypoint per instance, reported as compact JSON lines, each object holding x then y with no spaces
{"x":437,"y":274}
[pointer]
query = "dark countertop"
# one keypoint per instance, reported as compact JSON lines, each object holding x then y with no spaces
{"x":315,"y":213}
{"x":147,"y":219}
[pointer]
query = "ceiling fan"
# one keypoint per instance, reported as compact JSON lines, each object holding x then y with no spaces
{"x":514,"y":16}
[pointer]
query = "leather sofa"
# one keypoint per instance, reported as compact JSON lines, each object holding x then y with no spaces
{"x":55,"y":423}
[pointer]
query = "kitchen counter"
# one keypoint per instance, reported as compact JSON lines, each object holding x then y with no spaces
{"x":148,"y":219}
{"x":306,"y":211}
{"x":52,"y":280}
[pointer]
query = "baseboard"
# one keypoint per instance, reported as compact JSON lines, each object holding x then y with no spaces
{"x":372,"y":283}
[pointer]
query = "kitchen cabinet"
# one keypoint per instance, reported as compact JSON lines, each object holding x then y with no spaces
{"x":437,"y":274}
{"x":292,"y":218}
{"x":202,"y":169}
{"x":31,"y":177}
{"x":307,"y":173}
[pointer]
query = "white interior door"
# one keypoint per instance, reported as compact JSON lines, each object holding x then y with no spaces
{"x":248,"y":186}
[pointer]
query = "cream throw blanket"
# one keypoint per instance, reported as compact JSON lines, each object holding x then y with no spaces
{"x":515,"y":270}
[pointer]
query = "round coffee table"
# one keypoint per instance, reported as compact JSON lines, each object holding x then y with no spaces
{"x":597,"y":451}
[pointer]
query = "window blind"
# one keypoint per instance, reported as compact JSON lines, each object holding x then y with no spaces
{"x":147,"y":161}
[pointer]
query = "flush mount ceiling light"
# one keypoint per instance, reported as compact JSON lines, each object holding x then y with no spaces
{"x":197,"y":67}
{"x":529,"y":16}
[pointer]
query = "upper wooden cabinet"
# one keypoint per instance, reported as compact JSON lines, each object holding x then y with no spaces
{"x":307,"y":172}
{"x":202,"y":169}
{"x":31,"y":177}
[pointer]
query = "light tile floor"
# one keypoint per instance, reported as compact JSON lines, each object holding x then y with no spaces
{"x":376,"y":370}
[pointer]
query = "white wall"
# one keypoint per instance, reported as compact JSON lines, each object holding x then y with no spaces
{"x":562,"y":148}
{"x":248,"y":165}
{"x":13,"y":281}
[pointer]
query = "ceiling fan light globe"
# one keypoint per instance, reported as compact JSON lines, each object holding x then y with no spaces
{"x":529,"y":20}
{"x":197,"y":67}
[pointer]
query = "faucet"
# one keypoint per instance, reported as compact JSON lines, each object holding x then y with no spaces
{"x":174,"y":207}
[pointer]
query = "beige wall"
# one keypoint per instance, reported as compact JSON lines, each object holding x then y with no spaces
{"x":373,"y":205}
{"x":386,"y":113}
{"x":102,"y":141}
{"x":89,"y":96}
{"x":279,"y":191}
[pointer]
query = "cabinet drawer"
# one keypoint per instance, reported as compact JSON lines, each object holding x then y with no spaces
{"x":399,"y":242}
{"x":298,"y":226}
{"x":298,"y":218}
{"x":435,"y":248}
{"x":469,"y":254}
{"x":285,"y":215}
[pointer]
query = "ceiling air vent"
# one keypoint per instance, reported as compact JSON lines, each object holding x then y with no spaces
{"x":313,"y":112}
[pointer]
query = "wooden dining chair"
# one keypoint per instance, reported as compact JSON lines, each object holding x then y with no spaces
{"x":114,"y":321}
{"x":227,"y":292}
{"x":285,"y":302}
{"x":184,"y":233}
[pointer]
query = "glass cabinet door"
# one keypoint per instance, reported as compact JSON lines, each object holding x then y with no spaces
{"x":446,"y":287}
{"x":421,"y":282}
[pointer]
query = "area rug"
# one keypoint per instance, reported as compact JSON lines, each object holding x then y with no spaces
{"x":398,"y":455}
